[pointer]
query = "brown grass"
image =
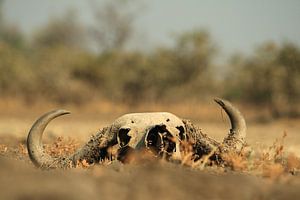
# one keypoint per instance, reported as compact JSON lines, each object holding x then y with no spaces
{"x":272,"y":162}
{"x":267,"y":170}
{"x":62,"y":147}
{"x":268,"y":164}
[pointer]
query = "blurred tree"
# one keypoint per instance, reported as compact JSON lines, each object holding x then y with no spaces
{"x":9,"y":33}
{"x":61,"y":31}
{"x":1,"y":12}
{"x":186,"y":67}
{"x":289,"y":60}
{"x":58,"y":49}
{"x":270,"y":78}
{"x":120,"y":76}
{"x":194,"y":51}
{"x":16,"y":74}
{"x":113,"y":25}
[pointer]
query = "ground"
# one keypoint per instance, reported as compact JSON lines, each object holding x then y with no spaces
{"x":270,"y":172}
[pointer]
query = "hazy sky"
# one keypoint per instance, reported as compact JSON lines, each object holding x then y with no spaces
{"x":233,"y":24}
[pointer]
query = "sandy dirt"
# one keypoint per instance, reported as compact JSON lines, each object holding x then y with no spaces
{"x":159,"y":180}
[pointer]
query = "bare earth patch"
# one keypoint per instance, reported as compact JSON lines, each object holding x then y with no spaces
{"x":270,"y":174}
{"x":267,"y":169}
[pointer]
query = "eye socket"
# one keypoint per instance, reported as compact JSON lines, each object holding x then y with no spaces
{"x":123,"y":136}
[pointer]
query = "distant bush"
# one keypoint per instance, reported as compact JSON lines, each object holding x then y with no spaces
{"x":271,"y":77}
{"x":169,"y":73}
{"x":67,"y":62}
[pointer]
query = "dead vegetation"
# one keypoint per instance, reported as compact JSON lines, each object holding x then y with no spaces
{"x":271,"y":162}
{"x":269,"y":172}
{"x":62,"y":147}
{"x":265,"y":174}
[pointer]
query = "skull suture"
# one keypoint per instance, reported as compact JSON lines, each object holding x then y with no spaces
{"x":160,"y":133}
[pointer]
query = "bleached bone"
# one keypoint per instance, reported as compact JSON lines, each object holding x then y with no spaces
{"x":162,"y":133}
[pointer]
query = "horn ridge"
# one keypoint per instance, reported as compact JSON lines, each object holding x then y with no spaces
{"x":35,"y":147}
{"x":237,"y":133}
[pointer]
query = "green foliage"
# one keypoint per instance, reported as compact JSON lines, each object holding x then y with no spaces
{"x":169,"y":73}
{"x":10,"y":34}
{"x":59,"y":63}
{"x":61,"y":31}
{"x":113,"y":25}
{"x":271,"y":77}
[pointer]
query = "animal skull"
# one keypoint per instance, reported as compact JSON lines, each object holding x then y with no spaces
{"x":160,"y":133}
{"x":152,"y":131}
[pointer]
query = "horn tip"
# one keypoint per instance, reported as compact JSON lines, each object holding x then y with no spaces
{"x":66,"y":111}
{"x":62,"y":112}
{"x":220,"y":101}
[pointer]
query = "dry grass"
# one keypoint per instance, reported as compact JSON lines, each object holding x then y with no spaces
{"x":62,"y":147}
{"x":271,"y":162}
{"x":272,"y":168}
{"x":268,"y":166}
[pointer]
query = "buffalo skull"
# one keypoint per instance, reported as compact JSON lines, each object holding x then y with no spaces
{"x":161,"y":133}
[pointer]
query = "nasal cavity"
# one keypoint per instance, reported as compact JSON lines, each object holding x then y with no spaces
{"x":153,"y":139}
{"x":182,"y":134}
{"x":124,"y":138}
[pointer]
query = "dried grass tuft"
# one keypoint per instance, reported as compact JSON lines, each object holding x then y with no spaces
{"x":62,"y":147}
{"x":272,"y":162}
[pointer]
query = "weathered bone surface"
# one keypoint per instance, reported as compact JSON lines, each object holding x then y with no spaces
{"x":161,"y":133}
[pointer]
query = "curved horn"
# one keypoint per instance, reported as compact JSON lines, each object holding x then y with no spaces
{"x":238,"y":129}
{"x":92,"y":151}
{"x":35,"y":147}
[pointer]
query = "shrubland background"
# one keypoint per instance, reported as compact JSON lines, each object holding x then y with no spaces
{"x":66,"y":62}
{"x":93,"y":70}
